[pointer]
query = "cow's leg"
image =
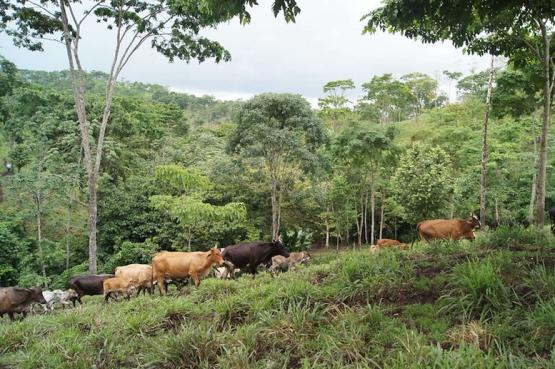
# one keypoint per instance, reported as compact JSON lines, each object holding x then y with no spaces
{"x":11,"y":315}
{"x":196,"y":279}
{"x":162,"y":285}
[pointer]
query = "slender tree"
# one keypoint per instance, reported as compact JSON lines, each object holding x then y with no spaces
{"x":484,"y":161}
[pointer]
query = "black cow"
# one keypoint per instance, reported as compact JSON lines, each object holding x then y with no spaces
{"x":87,"y":285}
{"x":17,"y":300}
{"x":551,"y":213}
{"x":252,"y":254}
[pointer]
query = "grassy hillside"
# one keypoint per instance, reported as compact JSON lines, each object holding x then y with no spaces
{"x":487,"y":304}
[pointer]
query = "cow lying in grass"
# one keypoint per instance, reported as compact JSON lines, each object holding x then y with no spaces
{"x":387,"y":243}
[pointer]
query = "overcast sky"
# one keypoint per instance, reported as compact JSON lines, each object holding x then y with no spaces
{"x":269,"y":55}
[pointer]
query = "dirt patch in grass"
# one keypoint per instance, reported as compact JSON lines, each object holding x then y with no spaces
{"x":173,"y":321}
{"x":404,"y":296}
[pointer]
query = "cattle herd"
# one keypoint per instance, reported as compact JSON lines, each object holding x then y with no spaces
{"x":166,"y":267}
{"x":180,"y":267}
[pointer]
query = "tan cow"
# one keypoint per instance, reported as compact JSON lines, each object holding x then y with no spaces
{"x":116,"y":286}
{"x":455,"y":229}
{"x":139,"y":275}
{"x":182,"y":265}
{"x":280,"y":262}
{"x":383,"y":243}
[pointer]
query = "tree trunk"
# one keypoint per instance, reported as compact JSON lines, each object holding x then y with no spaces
{"x":92,"y":223}
{"x":372,"y":212}
{"x":39,"y":240}
{"x":542,"y":157}
{"x":327,"y":245}
{"x":366,"y":216}
{"x":532,"y":205}
{"x":496,"y":211}
{"x":484,"y":172}
{"x":275,"y":211}
{"x":382,"y":220}
{"x":68,"y":230}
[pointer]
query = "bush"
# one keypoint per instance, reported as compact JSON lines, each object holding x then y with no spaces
{"x":514,"y":237}
{"x":131,"y":253}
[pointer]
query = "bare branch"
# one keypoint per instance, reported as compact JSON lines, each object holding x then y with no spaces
{"x":88,"y":12}
{"x":43,"y":8}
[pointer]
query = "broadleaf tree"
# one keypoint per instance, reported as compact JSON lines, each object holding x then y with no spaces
{"x":171,"y":27}
{"x":284,"y":133}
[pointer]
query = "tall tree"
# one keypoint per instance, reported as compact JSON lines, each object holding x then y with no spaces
{"x":282,"y":130}
{"x":335,"y":106}
{"x":451,"y":76}
{"x":484,"y":161}
{"x":386,"y":97}
{"x":508,"y":28}
{"x":171,"y":28}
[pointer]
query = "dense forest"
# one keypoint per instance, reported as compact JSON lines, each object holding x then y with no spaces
{"x":181,"y":172}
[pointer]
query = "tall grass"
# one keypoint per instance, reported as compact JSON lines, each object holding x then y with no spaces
{"x":439,"y":305}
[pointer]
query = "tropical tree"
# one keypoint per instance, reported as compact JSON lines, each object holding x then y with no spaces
{"x":172,"y":29}
{"x":386,"y":98}
{"x":423,"y":88}
{"x":282,"y":131}
{"x":335,"y":106}
{"x":423,"y":182}
{"x":519,"y":29}
{"x":360,"y":151}
{"x":186,"y":204}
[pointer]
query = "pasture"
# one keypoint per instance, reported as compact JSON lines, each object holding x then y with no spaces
{"x":485,"y":304}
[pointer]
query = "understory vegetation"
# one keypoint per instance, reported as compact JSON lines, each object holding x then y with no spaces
{"x":486,"y":304}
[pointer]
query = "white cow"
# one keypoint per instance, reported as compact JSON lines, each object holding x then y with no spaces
{"x":63,"y":297}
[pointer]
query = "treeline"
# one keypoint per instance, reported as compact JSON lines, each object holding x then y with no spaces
{"x":182,"y":172}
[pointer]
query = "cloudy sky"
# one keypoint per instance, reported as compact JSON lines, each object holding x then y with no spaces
{"x":269,"y":55}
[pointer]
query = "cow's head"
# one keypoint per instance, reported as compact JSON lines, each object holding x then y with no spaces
{"x":279,"y":248}
{"x":215,"y":256}
{"x":475,"y":221}
{"x":36,"y":295}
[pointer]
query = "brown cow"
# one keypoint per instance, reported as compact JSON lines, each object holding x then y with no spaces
{"x":182,"y":265}
{"x":455,"y":229}
{"x":117,"y":286}
{"x":18,"y":300}
{"x":383,"y":243}
{"x":139,"y":275}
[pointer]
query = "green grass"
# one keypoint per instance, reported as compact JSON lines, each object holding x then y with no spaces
{"x":442,"y":305}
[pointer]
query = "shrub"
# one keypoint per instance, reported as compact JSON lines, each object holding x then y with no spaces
{"x":514,"y":237}
{"x":476,"y":290}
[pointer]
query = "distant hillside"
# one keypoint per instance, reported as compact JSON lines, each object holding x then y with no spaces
{"x":203,"y":109}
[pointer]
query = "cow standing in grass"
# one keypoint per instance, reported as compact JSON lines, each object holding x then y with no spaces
{"x":87,"y":285}
{"x":454,"y":229}
{"x":139,"y":275}
{"x":182,"y":265}
{"x":18,"y":300}
{"x":252,"y":254}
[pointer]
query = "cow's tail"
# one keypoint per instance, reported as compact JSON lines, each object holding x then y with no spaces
{"x":420,"y":235}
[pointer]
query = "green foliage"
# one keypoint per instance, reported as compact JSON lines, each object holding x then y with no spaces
{"x":296,"y":240}
{"x":423,"y":182}
{"x":131,"y":253}
{"x":514,"y":236}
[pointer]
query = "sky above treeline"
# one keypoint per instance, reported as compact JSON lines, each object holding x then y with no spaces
{"x":269,"y":55}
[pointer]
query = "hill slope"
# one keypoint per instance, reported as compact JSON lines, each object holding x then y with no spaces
{"x":447,"y":305}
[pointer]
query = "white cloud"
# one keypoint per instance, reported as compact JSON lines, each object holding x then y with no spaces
{"x":270,"y":55}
